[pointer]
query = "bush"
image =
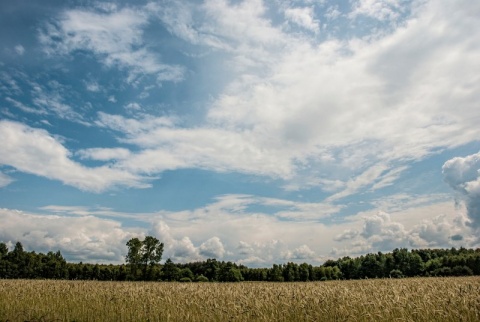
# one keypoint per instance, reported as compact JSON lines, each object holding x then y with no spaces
{"x":185,"y":280}
{"x":462,"y":271}
{"x":201,"y":278}
{"x":396,"y":273}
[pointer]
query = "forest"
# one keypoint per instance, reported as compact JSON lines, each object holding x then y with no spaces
{"x":143,"y":264}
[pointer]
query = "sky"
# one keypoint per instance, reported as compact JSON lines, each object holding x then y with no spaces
{"x":251,"y":131}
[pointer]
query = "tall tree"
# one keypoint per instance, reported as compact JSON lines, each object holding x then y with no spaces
{"x":152,"y":251}
{"x":145,"y":254}
{"x":134,"y":255}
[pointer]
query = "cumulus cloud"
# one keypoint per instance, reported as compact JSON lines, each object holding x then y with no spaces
{"x":346,"y":235}
{"x":382,"y":233}
{"x":302,"y":253}
{"x":182,"y":249}
{"x":212,"y":248}
{"x":245,"y":235}
{"x":85,"y":238}
{"x":463,"y":175}
{"x":263,"y":253}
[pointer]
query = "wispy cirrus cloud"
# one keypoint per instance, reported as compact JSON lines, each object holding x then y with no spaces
{"x":115,"y":37}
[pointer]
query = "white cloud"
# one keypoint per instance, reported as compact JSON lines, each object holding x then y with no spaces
{"x":84,"y":238}
{"x":9,"y":85}
{"x":133,"y":126}
{"x":338,"y":107}
{"x":92,"y":86}
{"x":353,"y":185}
{"x":24,"y":148}
{"x":349,"y":96}
{"x":105,"y":154}
{"x":301,"y":253}
{"x":115,"y":37}
{"x":304,"y":17}
{"x":238,"y":29}
{"x":389,"y":178}
{"x":5,"y":180}
{"x":182,"y":249}
{"x":378,"y":9}
{"x":133,"y":106}
{"x":402,"y":201}
{"x":245,"y":235}
{"x":463,"y":175}
{"x":25,"y":108}
{"x":416,"y":227}
{"x":228,"y":229}
{"x":53,"y":102}
{"x":346,"y":235}
{"x":332,"y":12}
{"x":20,"y":50}
{"x":212,"y":248}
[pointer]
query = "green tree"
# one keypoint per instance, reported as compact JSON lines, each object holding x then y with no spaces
{"x":275,"y":274}
{"x":170,"y":271}
{"x":3,"y":250}
{"x":187,"y":273}
{"x":212,"y":269}
{"x":304,"y":272}
{"x":145,"y":254}
{"x":230,"y":273}
{"x":152,"y":251}
{"x":134,"y":255}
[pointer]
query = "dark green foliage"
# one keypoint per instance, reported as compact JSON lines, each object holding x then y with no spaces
{"x":201,"y":278}
{"x":185,"y":280}
{"x":143,"y":264}
{"x":145,"y":254}
{"x":170,"y":271}
{"x":395,"y":273}
{"x":230,"y":273}
{"x":275,"y":274}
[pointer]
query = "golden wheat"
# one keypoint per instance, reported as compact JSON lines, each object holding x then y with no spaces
{"x":419,"y":299}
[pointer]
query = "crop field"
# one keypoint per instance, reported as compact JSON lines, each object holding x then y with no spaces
{"x":416,"y":299}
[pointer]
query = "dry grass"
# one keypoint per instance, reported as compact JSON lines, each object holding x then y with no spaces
{"x":419,"y":299}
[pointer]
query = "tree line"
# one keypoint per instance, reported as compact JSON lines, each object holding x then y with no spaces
{"x":144,"y":256}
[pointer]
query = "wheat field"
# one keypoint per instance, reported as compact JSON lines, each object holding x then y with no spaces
{"x":416,"y":299}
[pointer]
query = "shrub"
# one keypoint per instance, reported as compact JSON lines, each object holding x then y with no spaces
{"x":185,"y":280}
{"x":201,"y":278}
{"x":396,"y":273}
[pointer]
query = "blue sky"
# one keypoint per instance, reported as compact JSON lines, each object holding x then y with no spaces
{"x":255,"y":131}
